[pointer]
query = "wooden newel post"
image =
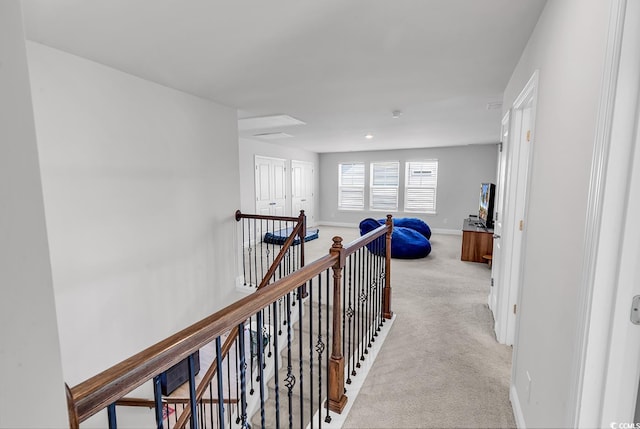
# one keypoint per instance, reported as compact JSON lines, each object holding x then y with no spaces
{"x":386,"y":303}
{"x":337,"y":399}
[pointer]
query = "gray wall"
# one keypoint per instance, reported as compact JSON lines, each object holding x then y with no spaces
{"x":140,"y":188}
{"x":567,"y":47}
{"x":32,"y":393}
{"x":461,"y":170}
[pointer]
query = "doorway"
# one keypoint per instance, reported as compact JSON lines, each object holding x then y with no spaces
{"x":508,"y":273}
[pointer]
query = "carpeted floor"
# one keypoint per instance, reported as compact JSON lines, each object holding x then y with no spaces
{"x":440,"y":366}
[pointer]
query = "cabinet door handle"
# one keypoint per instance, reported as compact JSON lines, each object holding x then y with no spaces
{"x":496,"y":236}
{"x":272,"y":204}
{"x":302,"y":201}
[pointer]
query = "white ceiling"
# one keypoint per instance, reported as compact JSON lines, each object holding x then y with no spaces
{"x":341,"y":66}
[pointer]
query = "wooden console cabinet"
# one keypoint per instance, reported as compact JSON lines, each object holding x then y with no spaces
{"x":476,"y":241}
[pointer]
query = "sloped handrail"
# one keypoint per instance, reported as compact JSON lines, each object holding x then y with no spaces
{"x":98,"y":392}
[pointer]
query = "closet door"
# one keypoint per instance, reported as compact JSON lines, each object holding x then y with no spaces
{"x":270,"y":186}
{"x":302,"y":190}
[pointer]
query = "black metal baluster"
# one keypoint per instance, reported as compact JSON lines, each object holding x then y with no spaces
{"x":270,"y":333}
{"x":260,"y":363}
{"x":192,"y":392}
{"x":220,"y":390}
{"x":356,"y":294}
{"x":157,"y":397}
{"x":370,"y":286}
{"x":310,"y":302}
{"x":291,"y":379}
{"x":251,"y":351}
{"x":244,"y":265}
{"x":275,"y":364}
{"x":328,"y":342}
{"x":320,"y":348}
{"x":237,"y":378}
{"x":243,"y":377}
{"x":363,"y":299}
{"x":300,"y":351}
{"x":351,"y":370}
{"x":359,"y":306}
{"x":111,"y":416}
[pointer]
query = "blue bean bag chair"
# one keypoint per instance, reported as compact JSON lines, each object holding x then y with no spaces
{"x":411,"y":222}
{"x":406,"y":243}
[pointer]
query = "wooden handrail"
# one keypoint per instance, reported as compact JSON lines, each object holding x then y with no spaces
{"x":111,"y":385}
{"x":97,"y":392}
{"x":240,"y":215}
{"x":276,"y":261}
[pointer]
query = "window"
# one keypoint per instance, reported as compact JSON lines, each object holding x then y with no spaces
{"x":385,"y":177}
{"x":421,"y":184}
{"x":351,"y":186}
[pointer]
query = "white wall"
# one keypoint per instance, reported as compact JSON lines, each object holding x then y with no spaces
{"x":30,"y":364}
{"x":461,"y":170}
{"x":140,"y":187}
{"x":567,"y":46}
{"x":249,"y":148}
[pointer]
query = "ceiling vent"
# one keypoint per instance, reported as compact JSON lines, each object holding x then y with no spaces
{"x":272,"y":136}
{"x":273,"y":121}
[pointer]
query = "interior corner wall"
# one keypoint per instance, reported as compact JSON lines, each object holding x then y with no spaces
{"x":249,"y":149}
{"x":32,"y":393}
{"x":461,"y":170}
{"x":140,"y":187}
{"x":567,"y":47}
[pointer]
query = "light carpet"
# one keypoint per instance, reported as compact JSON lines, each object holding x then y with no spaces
{"x":440,"y":366}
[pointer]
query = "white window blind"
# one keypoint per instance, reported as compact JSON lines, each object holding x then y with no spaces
{"x":420,"y":186}
{"x":385,"y":178}
{"x":351,"y":186}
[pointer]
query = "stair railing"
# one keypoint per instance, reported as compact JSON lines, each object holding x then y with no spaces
{"x":264,"y":261}
{"x":351,"y":286}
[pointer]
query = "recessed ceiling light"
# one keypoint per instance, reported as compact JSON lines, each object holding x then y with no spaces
{"x":272,"y":121}
{"x":368,"y":136}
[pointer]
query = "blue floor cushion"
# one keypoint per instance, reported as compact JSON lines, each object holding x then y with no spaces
{"x":279,"y":237}
{"x":406,"y":243}
{"x":411,"y":222}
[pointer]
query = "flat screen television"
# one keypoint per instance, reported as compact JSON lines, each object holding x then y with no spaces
{"x":487,"y":197}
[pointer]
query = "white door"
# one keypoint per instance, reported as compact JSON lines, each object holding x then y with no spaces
{"x":270,"y":186}
{"x":521,"y":134}
{"x":496,"y":278}
{"x":302,"y":190}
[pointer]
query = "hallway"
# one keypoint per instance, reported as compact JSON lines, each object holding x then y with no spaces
{"x":440,"y":365}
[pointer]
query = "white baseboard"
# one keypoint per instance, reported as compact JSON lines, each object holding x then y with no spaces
{"x":445,"y":231}
{"x":517,"y":409}
{"x":340,"y":224}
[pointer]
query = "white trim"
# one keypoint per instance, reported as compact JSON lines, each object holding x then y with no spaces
{"x":514,"y":246}
{"x":587,"y":398}
{"x":446,"y":231}
{"x":339,"y":224}
{"x":517,"y":409}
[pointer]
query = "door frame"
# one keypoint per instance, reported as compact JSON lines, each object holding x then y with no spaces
{"x":607,"y":358}
{"x":497,"y":280}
